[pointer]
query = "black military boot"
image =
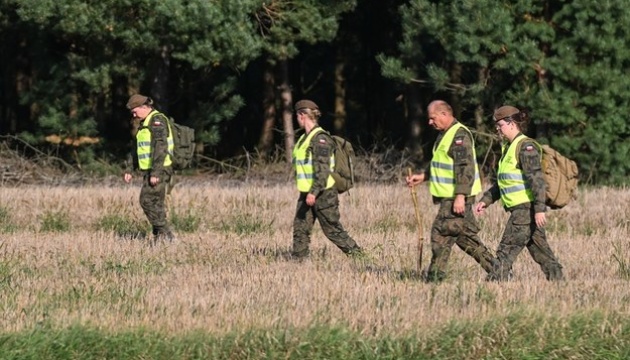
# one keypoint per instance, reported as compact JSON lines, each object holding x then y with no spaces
{"x":165,"y":234}
{"x":162,"y":234}
{"x":435,"y":276}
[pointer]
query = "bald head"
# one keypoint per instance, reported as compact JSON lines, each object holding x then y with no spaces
{"x":440,"y":115}
{"x":440,"y":106}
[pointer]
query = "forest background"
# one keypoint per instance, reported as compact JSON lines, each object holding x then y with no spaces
{"x":232,"y":70}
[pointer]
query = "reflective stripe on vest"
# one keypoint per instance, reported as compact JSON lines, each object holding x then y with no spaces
{"x":143,"y":143}
{"x":514,"y":189}
{"x":303,"y":163}
{"x":442,"y":181}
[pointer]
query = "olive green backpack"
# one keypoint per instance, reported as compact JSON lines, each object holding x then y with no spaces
{"x":184,"y":141}
{"x":344,"y":164}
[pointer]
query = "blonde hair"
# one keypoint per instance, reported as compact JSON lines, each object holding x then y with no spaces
{"x":314,"y":114}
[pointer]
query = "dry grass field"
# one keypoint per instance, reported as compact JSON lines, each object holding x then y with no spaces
{"x":228,"y":273}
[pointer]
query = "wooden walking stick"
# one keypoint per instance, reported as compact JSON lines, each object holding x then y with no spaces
{"x":419,"y":221}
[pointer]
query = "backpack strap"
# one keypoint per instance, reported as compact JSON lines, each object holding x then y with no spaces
{"x":519,"y":146}
{"x":322,"y":131}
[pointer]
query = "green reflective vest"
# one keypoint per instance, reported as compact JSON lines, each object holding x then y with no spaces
{"x":303,"y":163}
{"x":511,"y":180}
{"x":442,"y":181}
{"x":143,"y":144}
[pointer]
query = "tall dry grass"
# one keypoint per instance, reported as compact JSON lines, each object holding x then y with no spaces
{"x":231,"y":274}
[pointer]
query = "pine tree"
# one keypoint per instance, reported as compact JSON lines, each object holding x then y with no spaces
{"x":563,"y":61}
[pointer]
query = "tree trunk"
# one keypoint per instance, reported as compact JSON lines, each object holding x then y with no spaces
{"x":339,"y":124}
{"x":159,"y":87}
{"x":265,"y":142}
{"x":287,"y":111}
{"x":482,"y":78}
{"x":455,"y":101}
{"x":414,"y":115}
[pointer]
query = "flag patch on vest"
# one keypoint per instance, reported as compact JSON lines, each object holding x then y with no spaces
{"x":459,"y":141}
{"x":157,"y":123}
{"x":322,"y":141}
{"x":529,"y":147}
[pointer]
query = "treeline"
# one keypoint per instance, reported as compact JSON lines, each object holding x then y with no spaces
{"x":232,"y":69}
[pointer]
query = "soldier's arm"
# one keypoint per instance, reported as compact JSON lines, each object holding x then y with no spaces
{"x":159,"y":143}
{"x":131,"y":161}
{"x":322,"y":148}
{"x":427,"y":173}
{"x":529,"y":160}
{"x":491,"y":195}
{"x":461,"y":151}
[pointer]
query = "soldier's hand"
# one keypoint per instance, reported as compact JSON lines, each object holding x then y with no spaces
{"x":480,"y":208}
{"x":414,"y":179}
{"x":310,"y":199}
{"x":154,"y":180}
{"x":541,"y":219}
{"x":459,"y":205}
{"x":127,"y":177}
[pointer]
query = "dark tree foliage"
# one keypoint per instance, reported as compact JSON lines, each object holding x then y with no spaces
{"x":562,"y":60}
{"x":232,"y":68}
{"x":82,"y":60}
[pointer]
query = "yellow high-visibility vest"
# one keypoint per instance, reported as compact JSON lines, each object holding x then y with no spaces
{"x":303,"y":163}
{"x":442,"y":181}
{"x":511,"y":180}
{"x":143,"y":144}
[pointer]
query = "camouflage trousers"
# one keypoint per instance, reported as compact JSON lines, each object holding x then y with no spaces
{"x":450,"y":228}
{"x":326,"y":211}
{"x":153,"y":200}
{"x":521,"y":231}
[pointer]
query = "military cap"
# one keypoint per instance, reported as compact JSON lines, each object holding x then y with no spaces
{"x":504,"y":112}
{"x":305,"y":104}
{"x":136,"y":100}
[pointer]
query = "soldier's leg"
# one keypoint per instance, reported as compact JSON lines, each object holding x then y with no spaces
{"x":515,"y":237}
{"x":168,"y":201}
{"x":152,"y":203}
{"x":444,"y":232}
{"x":327,"y":213}
{"x":302,"y":227}
{"x":543,"y":255}
{"x":471,"y":244}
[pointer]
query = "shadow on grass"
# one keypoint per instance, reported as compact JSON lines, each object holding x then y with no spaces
{"x":362,"y":264}
{"x":131,"y":235}
{"x":402,"y":275}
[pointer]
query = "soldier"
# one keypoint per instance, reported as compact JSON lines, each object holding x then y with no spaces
{"x":313,"y":161}
{"x":521,"y":187}
{"x":453,"y":182}
{"x":154,"y":144}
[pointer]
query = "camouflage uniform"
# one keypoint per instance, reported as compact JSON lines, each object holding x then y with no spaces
{"x":326,"y":209}
{"x":449,"y":228}
{"x":153,"y":198}
{"x":521,"y":230}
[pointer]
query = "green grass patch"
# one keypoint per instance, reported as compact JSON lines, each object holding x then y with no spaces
{"x":123,"y":226}
{"x":621,"y":255}
{"x":187,"y":222}
{"x":135,"y":267}
{"x":385,"y":225}
{"x":7,"y":226}
{"x":246,"y":224}
{"x":55,"y":221}
{"x":9,"y":263}
{"x":520,"y":335}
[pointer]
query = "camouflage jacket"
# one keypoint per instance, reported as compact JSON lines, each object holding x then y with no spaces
{"x":461,"y":151}
{"x":322,"y":147}
{"x":529,"y":161}
{"x":159,"y":145}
